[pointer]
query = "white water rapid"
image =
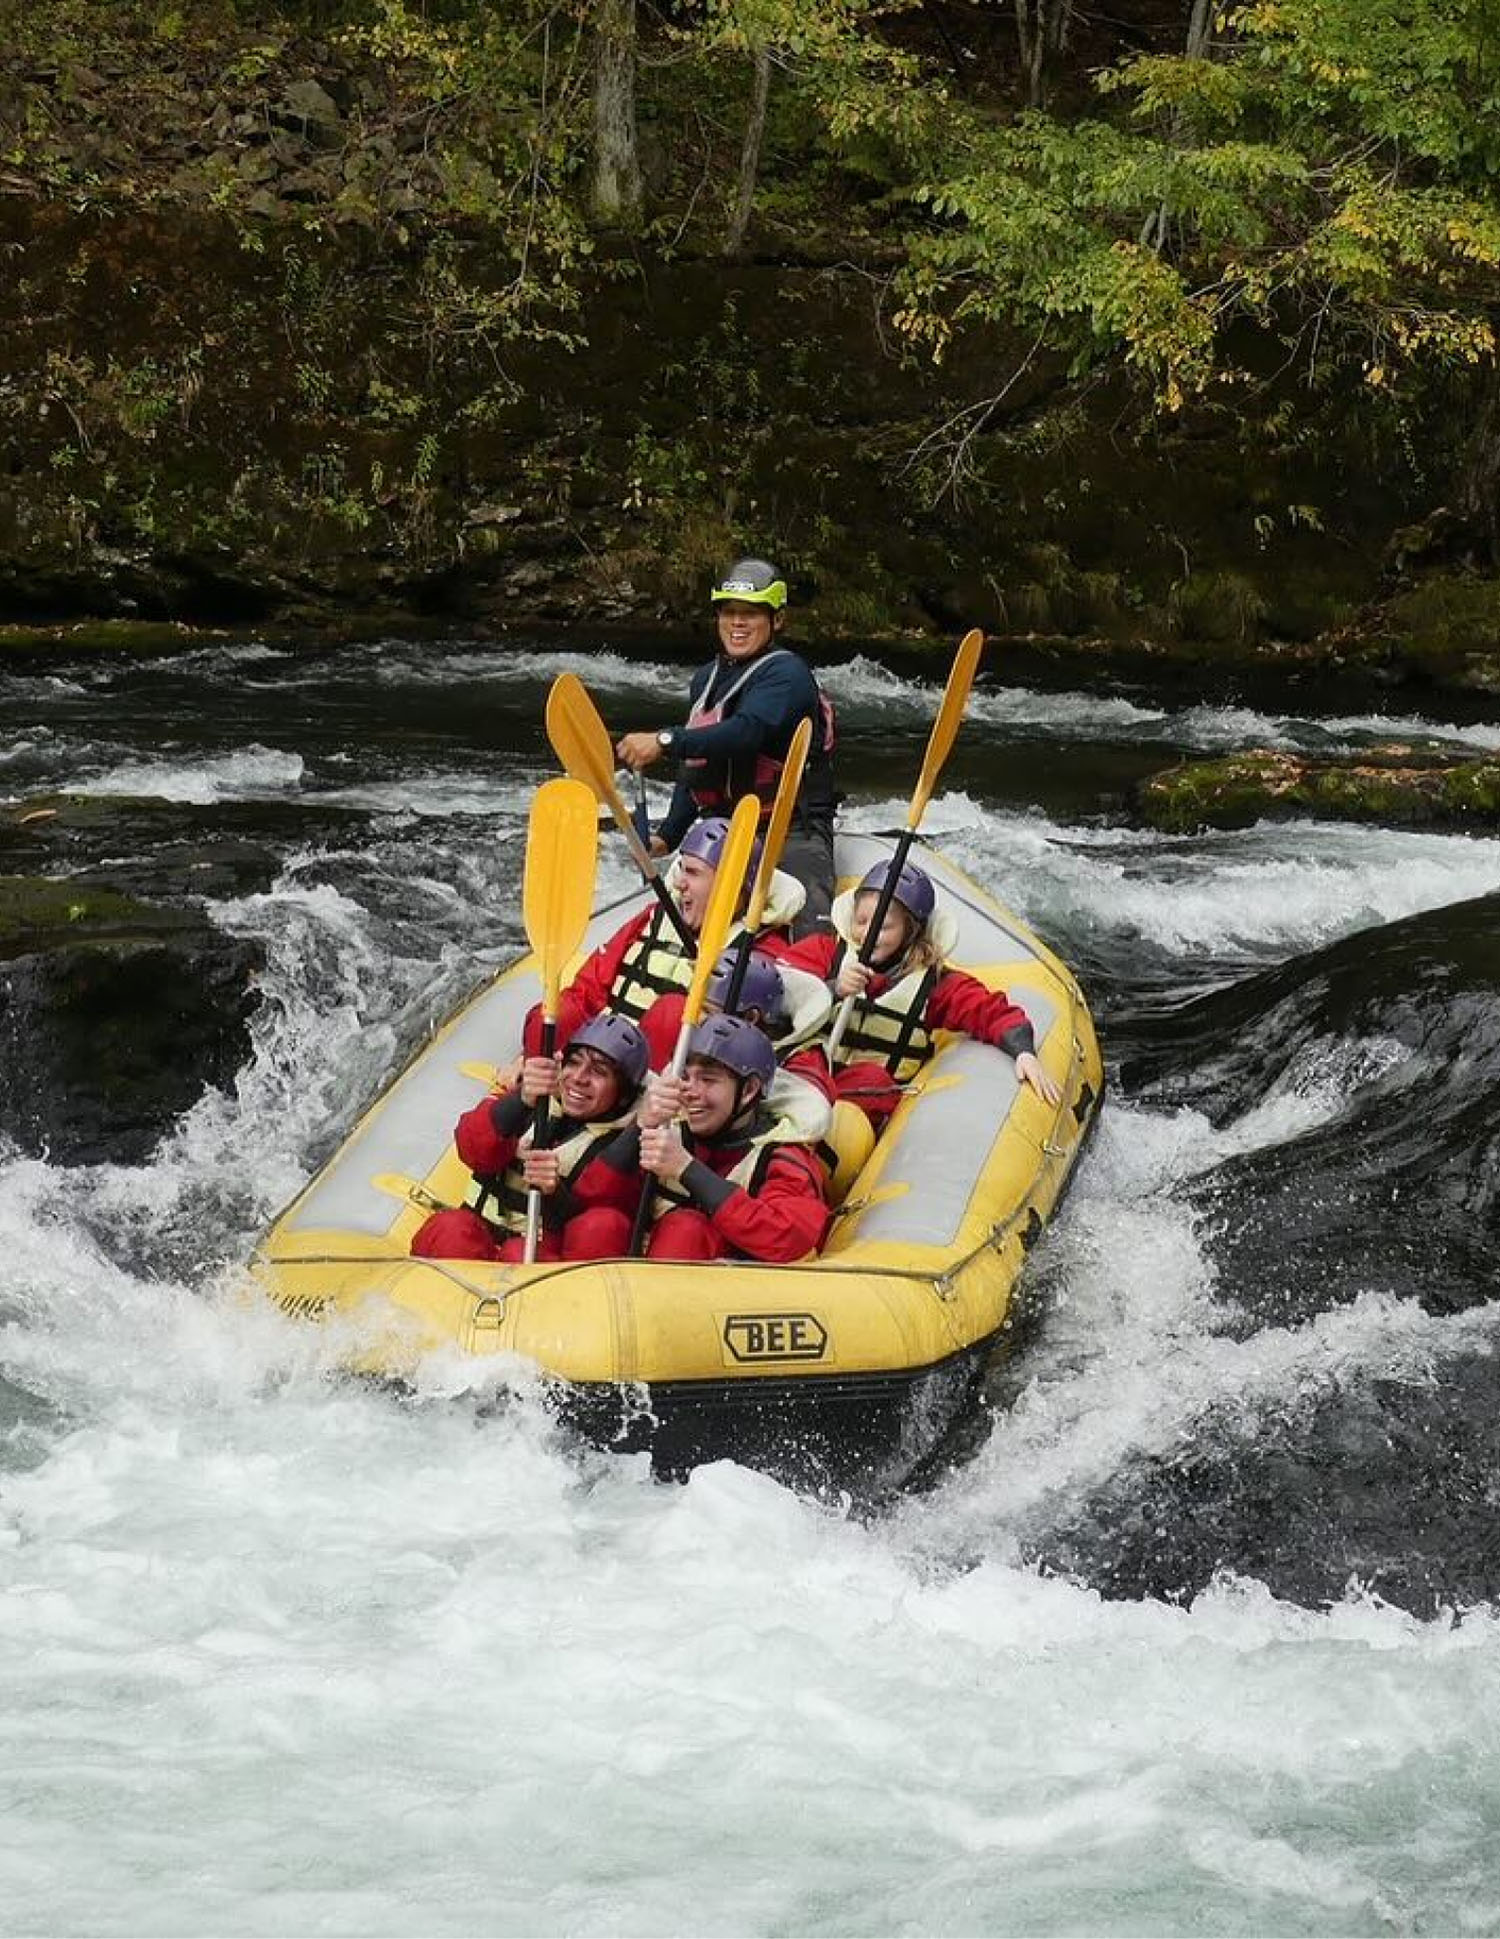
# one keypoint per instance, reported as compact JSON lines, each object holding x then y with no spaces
{"x":281,"y":1655}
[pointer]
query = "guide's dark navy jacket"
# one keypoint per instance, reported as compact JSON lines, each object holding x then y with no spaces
{"x":760,"y":719}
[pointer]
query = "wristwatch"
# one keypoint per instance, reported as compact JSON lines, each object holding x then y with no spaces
{"x":666,"y":738}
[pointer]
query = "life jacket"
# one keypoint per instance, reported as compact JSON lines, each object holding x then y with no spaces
{"x":500,"y":1200}
{"x":891,"y":1029}
{"x":794,"y":1112}
{"x":656,"y":964}
{"x":716,"y":786}
{"x":808,"y":1004}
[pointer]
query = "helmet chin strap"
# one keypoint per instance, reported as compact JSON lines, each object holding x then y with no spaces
{"x":890,"y":964}
{"x":738,"y":1110}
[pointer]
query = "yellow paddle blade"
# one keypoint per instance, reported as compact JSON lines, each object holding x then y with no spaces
{"x":729,"y":879}
{"x":580,"y":740}
{"x":781,"y":820}
{"x":945,"y":727}
{"x":562,"y":855}
{"x":579,"y":737}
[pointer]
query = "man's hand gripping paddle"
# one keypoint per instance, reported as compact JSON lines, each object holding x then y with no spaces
{"x":718,"y":920}
{"x":562,"y":855}
{"x":939,"y":745}
{"x":581,"y":742}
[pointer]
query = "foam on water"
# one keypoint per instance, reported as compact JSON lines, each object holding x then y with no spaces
{"x":1272,"y":889}
{"x":281,"y":1654}
{"x":868,"y":688}
{"x":521,"y":666}
{"x":1133,"y":1351}
{"x":293,"y":1657}
{"x":442,"y":794}
{"x":248,"y":773}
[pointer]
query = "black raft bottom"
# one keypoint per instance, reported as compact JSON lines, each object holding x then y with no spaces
{"x":863,"y":1434}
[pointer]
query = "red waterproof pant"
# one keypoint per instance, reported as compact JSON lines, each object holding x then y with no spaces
{"x":600,"y":1233}
{"x":685,"y":1233}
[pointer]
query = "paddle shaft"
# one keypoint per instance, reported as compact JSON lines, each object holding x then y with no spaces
{"x":648,"y":1191}
{"x":779,"y":822}
{"x":581,"y":742}
{"x":939,"y":745}
{"x":737,"y":974}
{"x":718,"y":918}
{"x":540,"y":1126}
{"x":557,"y":892}
{"x":868,"y":947}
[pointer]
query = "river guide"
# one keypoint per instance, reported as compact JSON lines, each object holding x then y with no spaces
{"x":744,"y":707}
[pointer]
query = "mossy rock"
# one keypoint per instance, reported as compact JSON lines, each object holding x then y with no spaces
{"x":152,"y":851}
{"x":37,"y":913}
{"x":1399,"y":786}
{"x":1449,"y":625}
{"x":124,"y":637}
{"x":115,"y":1015}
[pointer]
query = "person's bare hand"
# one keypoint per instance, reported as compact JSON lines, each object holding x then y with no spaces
{"x":853,"y":978}
{"x":663,"y":1152}
{"x":1030,"y":1071}
{"x":542,"y":1171}
{"x":638,"y":751}
{"x":540,"y":1077}
{"x":662,"y":1102}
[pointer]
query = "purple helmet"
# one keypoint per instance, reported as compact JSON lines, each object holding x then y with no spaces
{"x":706,"y":839}
{"x":618,"y":1039}
{"x":737,"y":1045}
{"x":762,"y":988}
{"x":914,"y":890}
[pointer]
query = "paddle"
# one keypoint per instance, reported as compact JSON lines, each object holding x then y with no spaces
{"x":770,"y":854}
{"x":939,"y":744}
{"x":562,"y":854}
{"x":718,"y":919}
{"x":581,"y":742}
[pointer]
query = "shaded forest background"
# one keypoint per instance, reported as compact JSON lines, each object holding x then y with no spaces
{"x":1135,"y":326}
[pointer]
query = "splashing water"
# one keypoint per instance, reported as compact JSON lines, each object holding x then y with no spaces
{"x":279,"y":1653}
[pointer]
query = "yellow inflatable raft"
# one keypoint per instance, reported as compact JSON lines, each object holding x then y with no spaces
{"x":846,"y":1370}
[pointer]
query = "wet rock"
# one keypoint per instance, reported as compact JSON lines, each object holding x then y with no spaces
{"x":308,"y":106}
{"x":1397,"y":786}
{"x":121,"y":636}
{"x":153,"y":850}
{"x":1383,"y":1485}
{"x":115,"y":1016}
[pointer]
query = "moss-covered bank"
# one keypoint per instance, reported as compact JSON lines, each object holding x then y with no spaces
{"x":262,"y":362}
{"x":1395,"y":786}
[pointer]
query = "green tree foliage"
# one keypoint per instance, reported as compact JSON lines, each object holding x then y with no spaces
{"x":1325,"y":172}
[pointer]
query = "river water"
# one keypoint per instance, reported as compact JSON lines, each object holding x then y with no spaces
{"x":1194,"y":1635}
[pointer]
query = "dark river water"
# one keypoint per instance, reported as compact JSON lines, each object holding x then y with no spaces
{"x":1194,"y":1634}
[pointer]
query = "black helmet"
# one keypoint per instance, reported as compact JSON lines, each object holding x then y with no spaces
{"x":755,"y":581}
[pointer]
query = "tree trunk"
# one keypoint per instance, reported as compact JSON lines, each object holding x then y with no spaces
{"x":755,"y":127}
{"x":617,"y":193}
{"x":1041,"y":34}
{"x":1029,"y":45}
{"x":1197,"y":47}
{"x":1479,"y":497}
